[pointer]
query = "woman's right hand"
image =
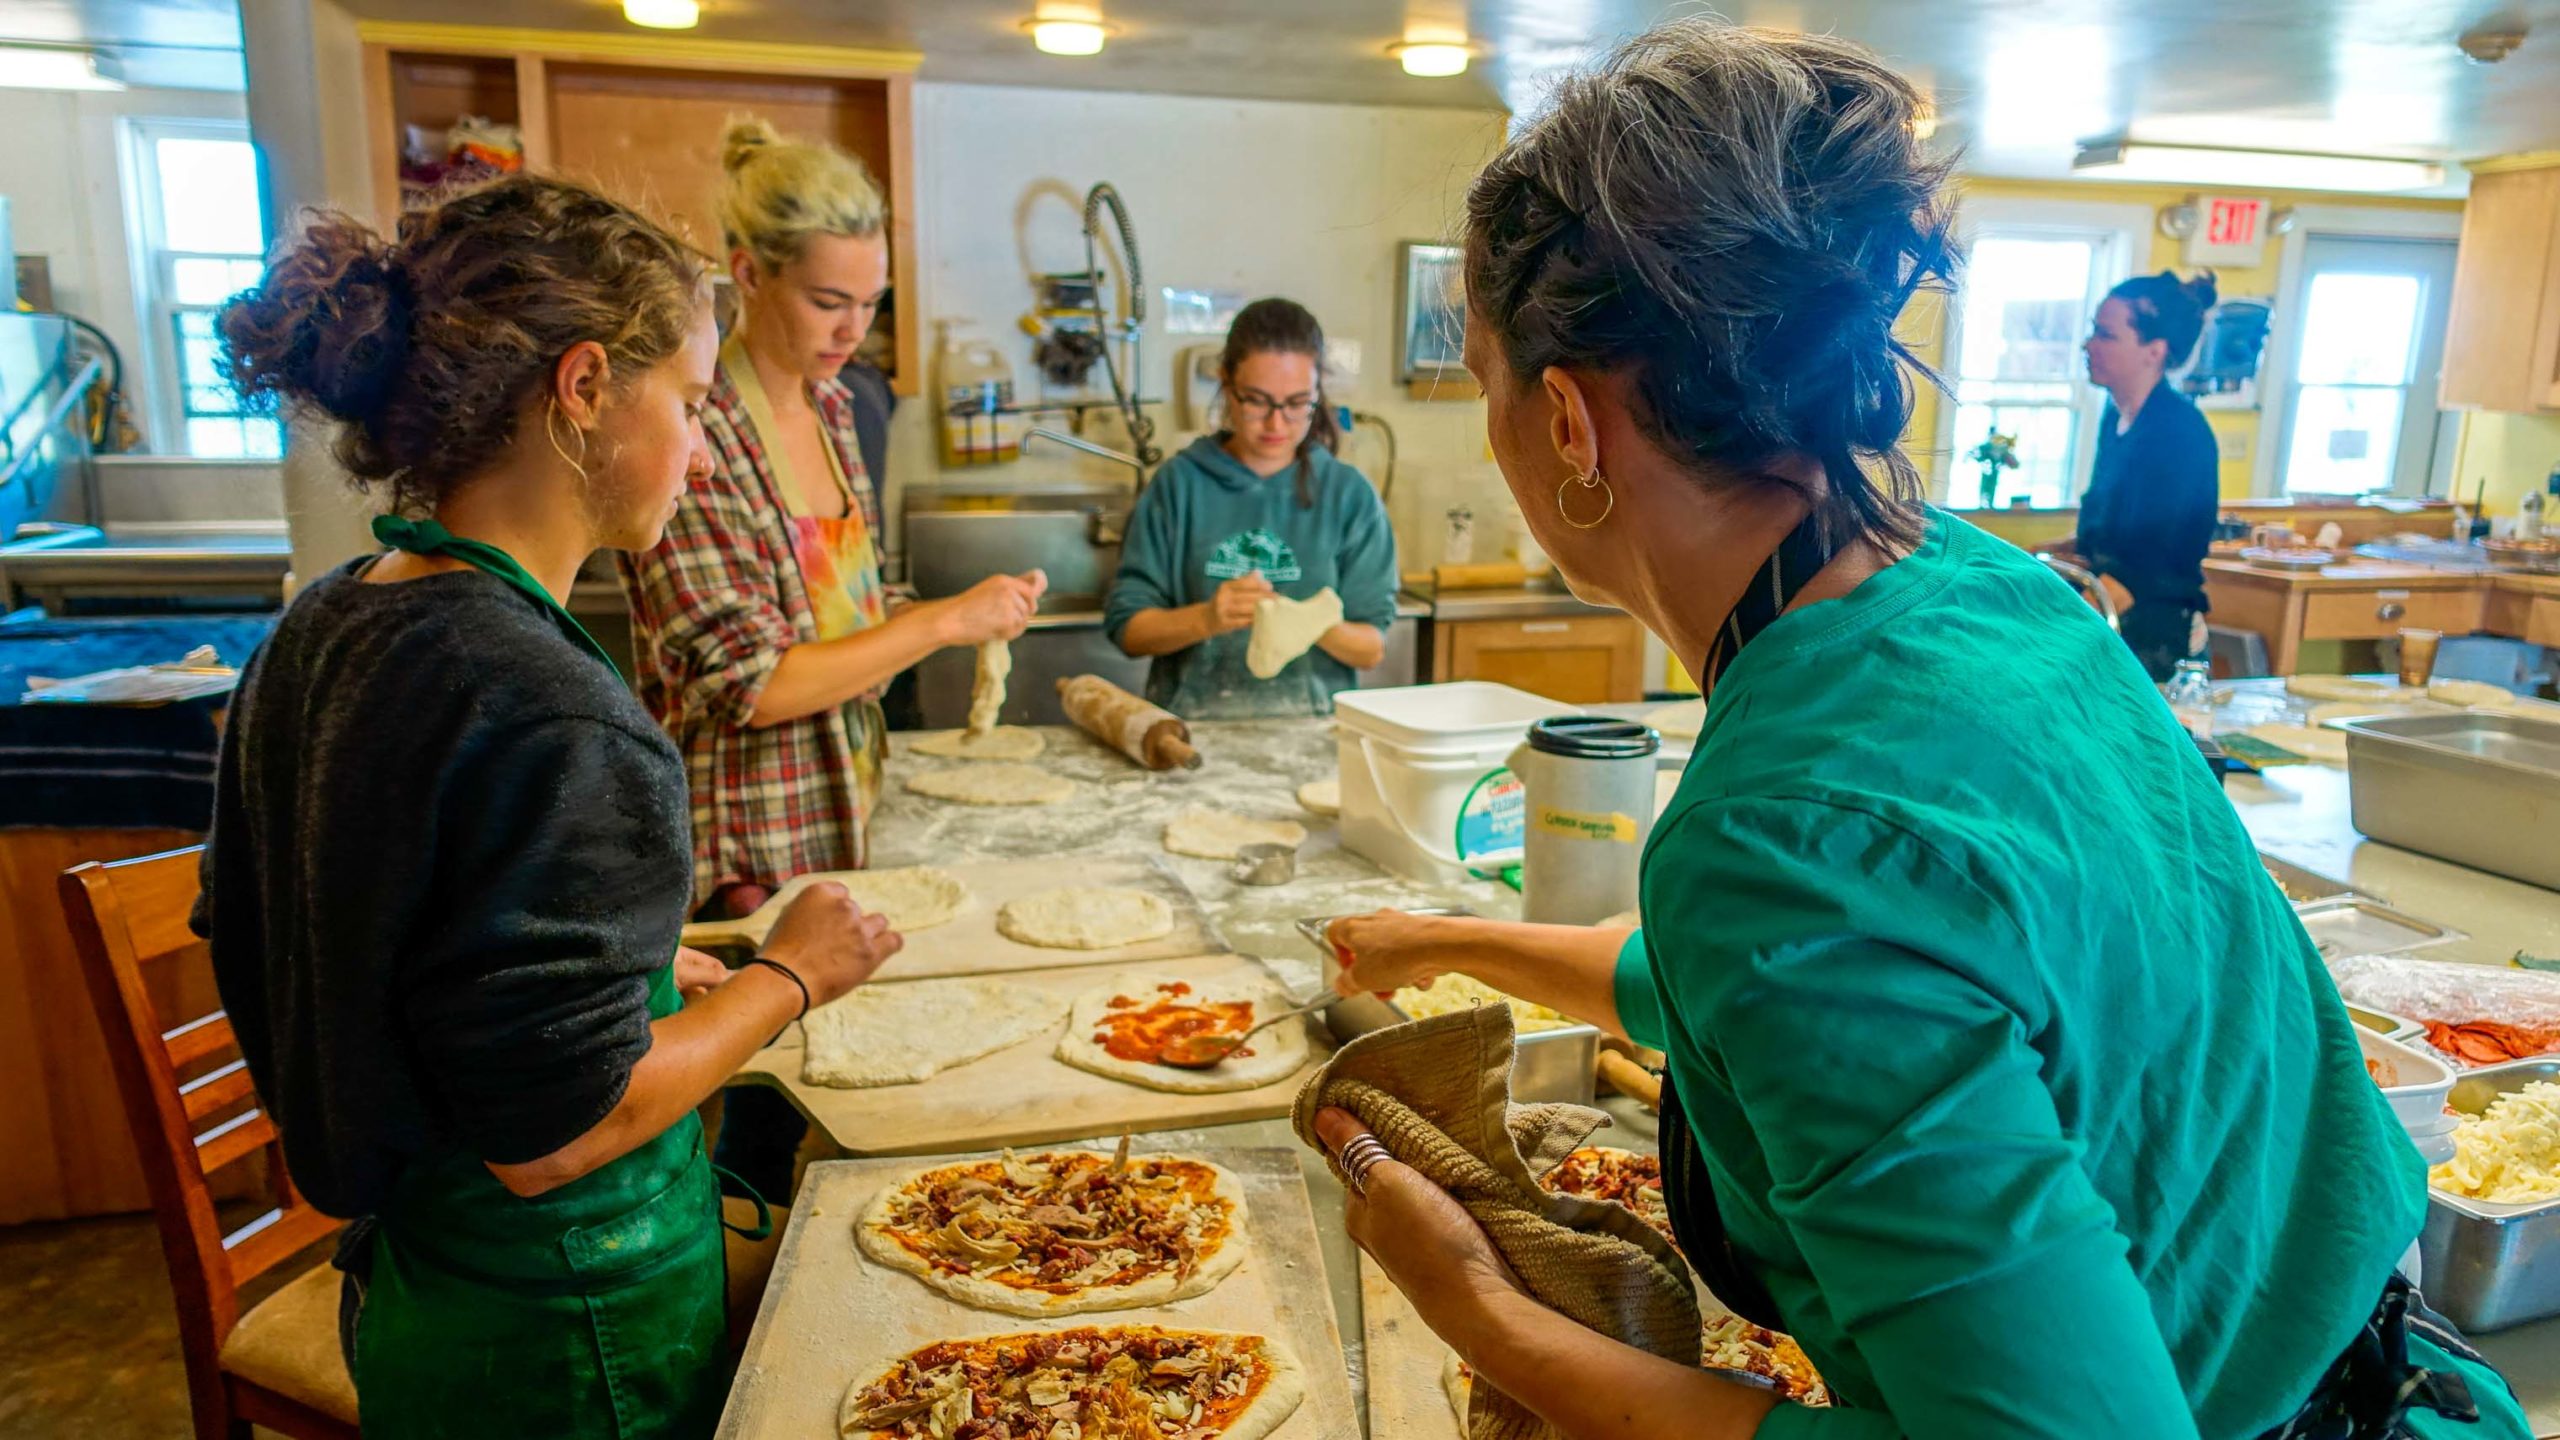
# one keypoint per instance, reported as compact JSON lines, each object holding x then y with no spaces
{"x":996,"y":608}
{"x":1233,"y":606}
{"x":1391,"y":950}
{"x":827,"y":940}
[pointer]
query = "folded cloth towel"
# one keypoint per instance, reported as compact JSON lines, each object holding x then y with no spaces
{"x":1437,"y":1093}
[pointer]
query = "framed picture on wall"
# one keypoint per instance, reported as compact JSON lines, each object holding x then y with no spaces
{"x":1431,"y":310}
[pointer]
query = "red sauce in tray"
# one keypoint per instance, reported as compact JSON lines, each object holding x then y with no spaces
{"x":1142,"y":1035}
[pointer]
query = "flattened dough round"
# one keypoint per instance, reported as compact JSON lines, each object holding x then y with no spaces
{"x":1679,"y":722}
{"x":2329,"y":712}
{"x":904,"y":1033}
{"x":1085,"y":917}
{"x":1217,"y":835}
{"x":916,"y":897}
{"x":2346,"y":687}
{"x":1321,"y":797}
{"x":1278,"y":1052}
{"x":2311,"y":742}
{"x":994,"y":785}
{"x":1005,"y":742}
{"x":2471,"y":693}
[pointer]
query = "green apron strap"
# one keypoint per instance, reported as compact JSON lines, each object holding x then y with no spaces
{"x":764,"y":1212}
{"x":429,"y":537}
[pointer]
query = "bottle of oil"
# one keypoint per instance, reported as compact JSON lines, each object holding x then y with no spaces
{"x":975,"y":383}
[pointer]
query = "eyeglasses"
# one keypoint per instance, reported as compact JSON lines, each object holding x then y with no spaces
{"x":1252,"y":404}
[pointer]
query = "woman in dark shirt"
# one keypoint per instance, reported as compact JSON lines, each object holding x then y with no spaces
{"x":2147,"y":520}
{"x":449,"y":859}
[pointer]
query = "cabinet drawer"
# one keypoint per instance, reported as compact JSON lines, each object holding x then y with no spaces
{"x":2374,"y":614}
{"x":1581,"y":660}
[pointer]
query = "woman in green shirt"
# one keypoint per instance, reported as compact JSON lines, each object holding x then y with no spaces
{"x":1999,"y":1075}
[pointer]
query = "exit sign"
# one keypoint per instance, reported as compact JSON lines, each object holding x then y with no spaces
{"x":2230,"y":230}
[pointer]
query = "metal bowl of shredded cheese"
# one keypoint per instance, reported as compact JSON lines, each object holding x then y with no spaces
{"x":2509,"y":1153}
{"x":1458,"y":992}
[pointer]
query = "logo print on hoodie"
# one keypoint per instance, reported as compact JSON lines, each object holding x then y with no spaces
{"x":1254,"y":550}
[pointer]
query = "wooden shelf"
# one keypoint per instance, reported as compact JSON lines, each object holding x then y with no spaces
{"x":641,"y":120}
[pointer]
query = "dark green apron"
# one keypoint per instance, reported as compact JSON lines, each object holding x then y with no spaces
{"x":598,"y":1309}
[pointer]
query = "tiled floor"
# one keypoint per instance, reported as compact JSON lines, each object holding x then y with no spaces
{"x":88,"y":1337}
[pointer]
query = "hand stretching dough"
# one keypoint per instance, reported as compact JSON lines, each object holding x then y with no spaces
{"x":986,"y":690}
{"x":1284,"y":629}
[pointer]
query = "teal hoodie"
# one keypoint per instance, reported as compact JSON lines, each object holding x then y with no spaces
{"x":1204,"y":520}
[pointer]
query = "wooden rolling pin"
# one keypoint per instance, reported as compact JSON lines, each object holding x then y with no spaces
{"x":1630,"y":1079}
{"x":1148,"y":734}
{"x":1495,"y":575}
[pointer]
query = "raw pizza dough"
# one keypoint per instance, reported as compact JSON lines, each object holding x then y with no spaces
{"x":1217,"y":835}
{"x":1321,"y":797}
{"x":1005,"y":742}
{"x":994,"y":785}
{"x":1278,"y":1052}
{"x":2471,"y":694}
{"x":1679,"y":722}
{"x":2346,"y":687}
{"x":1085,"y":917}
{"x":916,"y":897}
{"x":986,"y":688}
{"x":1284,"y":629}
{"x":1223,"y":1251}
{"x":904,"y":1033}
{"x":2330,"y":712}
{"x":2311,"y":742}
{"x":1284,"y":1386}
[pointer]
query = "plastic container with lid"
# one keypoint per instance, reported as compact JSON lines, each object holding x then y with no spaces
{"x":1417,"y":759}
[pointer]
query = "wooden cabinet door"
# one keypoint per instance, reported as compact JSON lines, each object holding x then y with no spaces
{"x":1584,"y":660}
{"x":2502,"y":336}
{"x":2384,"y":611}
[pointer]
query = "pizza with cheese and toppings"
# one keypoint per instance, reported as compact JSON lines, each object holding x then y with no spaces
{"x":1061,"y":1232}
{"x":1121,"y":1382}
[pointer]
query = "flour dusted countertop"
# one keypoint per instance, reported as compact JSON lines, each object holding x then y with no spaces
{"x":1250,"y":767}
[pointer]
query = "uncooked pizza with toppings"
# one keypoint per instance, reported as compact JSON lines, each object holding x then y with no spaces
{"x":1061,"y":1232}
{"x":1121,"y":1382}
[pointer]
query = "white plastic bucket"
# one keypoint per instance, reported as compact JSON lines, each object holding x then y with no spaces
{"x":1409,"y":755}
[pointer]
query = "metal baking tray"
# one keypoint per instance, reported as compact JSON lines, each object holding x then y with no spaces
{"x":2386,"y":1024}
{"x":2491,"y":1266}
{"x":1546,"y":1064}
{"x":2478,"y":788}
{"x":2299,"y":885}
{"x":2354,"y":925}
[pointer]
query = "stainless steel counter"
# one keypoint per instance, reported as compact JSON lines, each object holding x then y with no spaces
{"x":1526,"y":602}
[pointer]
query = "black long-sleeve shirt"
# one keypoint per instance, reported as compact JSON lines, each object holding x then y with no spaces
{"x":2147,"y":521}
{"x":448,"y":851}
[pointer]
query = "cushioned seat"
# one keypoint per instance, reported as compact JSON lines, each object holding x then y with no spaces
{"x":288,"y":1343}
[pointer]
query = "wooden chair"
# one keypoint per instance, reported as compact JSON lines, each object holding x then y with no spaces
{"x":279,"y":1364}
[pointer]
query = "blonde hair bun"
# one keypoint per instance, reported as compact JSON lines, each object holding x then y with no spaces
{"x":794,"y":189}
{"x":743,"y":139}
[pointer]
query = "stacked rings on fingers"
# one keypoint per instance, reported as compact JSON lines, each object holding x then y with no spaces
{"x":1364,"y":1154}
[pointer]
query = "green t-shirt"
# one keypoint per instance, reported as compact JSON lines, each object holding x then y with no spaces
{"x":2018,"y":1082}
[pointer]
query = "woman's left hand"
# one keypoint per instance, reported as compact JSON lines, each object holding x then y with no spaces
{"x":698,"y":974}
{"x":1426,"y":1242}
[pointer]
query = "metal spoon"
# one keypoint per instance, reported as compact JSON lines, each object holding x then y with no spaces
{"x":1201,"y":1052}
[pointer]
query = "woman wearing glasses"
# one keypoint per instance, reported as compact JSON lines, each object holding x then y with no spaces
{"x":1259,"y":509}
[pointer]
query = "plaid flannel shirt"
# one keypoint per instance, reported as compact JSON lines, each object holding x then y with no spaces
{"x":713,"y":607}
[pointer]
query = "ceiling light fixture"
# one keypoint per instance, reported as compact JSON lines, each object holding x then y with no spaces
{"x":53,"y":67}
{"x":663,"y":14}
{"x":2266,"y":169}
{"x":1432,"y":59}
{"x":1068,"y":37}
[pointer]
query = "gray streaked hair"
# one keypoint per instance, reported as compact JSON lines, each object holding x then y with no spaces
{"x":1736,"y":218}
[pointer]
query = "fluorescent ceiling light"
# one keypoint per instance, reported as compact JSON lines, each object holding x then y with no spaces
{"x":2268,"y":169}
{"x":663,"y":14}
{"x":1431,"y":59}
{"x":45,"y":67}
{"x":1068,"y":37}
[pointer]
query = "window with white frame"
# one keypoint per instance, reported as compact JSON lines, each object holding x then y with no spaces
{"x":198,"y":237}
{"x":2026,"y":300}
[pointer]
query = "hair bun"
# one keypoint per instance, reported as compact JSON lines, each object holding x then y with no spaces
{"x":743,"y":138}
{"x":2202,"y":290}
{"x":357,"y":355}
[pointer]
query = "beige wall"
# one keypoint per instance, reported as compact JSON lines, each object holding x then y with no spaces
{"x":1266,"y":197}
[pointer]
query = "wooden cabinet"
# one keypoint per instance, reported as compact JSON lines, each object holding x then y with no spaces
{"x":2387,"y":610}
{"x":2502,"y":339}
{"x":2362,"y":601}
{"x":640,"y":118}
{"x":1581,"y":660}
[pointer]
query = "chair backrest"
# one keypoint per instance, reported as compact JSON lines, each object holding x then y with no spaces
{"x":187,"y":1096}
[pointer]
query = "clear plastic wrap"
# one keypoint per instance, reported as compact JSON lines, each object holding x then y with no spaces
{"x":2473,"y":1014}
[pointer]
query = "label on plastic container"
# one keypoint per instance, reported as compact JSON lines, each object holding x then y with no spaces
{"x":1579,"y":825}
{"x":1491,"y":819}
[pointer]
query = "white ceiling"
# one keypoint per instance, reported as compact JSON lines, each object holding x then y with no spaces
{"x":2019,"y":81}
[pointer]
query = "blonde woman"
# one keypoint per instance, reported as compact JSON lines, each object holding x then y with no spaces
{"x":763,"y":630}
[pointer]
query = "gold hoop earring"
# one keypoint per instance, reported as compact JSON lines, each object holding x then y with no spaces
{"x":577,"y":462}
{"x":1587,"y":480}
